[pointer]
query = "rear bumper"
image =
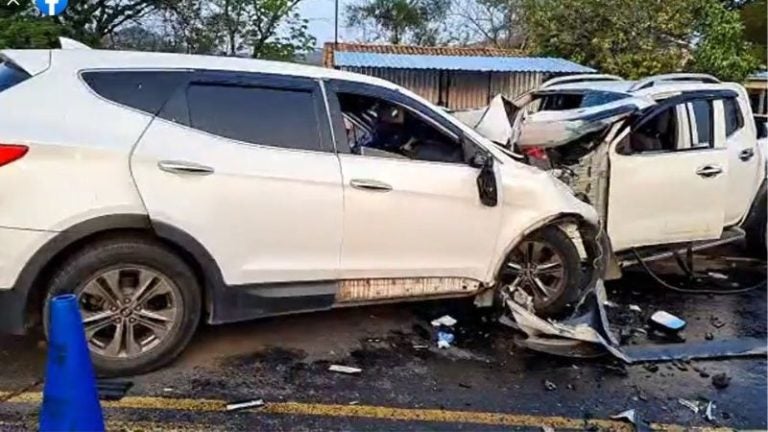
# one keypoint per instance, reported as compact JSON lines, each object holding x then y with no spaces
{"x":13,"y":305}
{"x":17,"y":247}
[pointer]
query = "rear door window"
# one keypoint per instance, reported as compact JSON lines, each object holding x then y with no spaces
{"x":10,"y":74}
{"x":146,"y":91}
{"x":258,"y":115}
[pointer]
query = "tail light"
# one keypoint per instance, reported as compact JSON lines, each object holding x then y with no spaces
{"x":535,"y":153}
{"x":11,"y":152}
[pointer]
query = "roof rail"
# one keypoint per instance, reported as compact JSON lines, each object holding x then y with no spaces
{"x":70,"y":44}
{"x":653,"y":80}
{"x":569,"y":79}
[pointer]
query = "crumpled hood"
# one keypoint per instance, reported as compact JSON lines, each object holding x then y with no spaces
{"x":504,"y":122}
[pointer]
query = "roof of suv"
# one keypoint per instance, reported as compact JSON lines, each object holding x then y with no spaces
{"x":80,"y":59}
{"x":648,"y":87}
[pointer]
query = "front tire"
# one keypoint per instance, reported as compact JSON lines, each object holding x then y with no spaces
{"x":546,"y":265}
{"x":140,"y":302}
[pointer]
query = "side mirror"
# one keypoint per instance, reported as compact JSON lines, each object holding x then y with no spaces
{"x":486,"y":179}
{"x":761,"y":124}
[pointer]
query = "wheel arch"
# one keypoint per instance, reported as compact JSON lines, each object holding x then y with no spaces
{"x":32,"y":282}
{"x":592,"y":235}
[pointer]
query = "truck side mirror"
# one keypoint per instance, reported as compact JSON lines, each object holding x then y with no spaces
{"x":486,"y":179}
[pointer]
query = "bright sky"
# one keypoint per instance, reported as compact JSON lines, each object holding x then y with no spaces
{"x":320,"y":14}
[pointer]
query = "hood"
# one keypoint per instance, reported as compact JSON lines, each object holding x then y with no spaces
{"x":507,"y":122}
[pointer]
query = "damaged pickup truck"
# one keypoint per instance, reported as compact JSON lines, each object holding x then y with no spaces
{"x":672,"y":162}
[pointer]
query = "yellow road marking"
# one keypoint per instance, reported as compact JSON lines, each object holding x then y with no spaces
{"x":366,"y":411}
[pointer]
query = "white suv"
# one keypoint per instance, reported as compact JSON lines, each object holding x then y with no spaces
{"x":666,"y":161}
{"x":164,"y":189}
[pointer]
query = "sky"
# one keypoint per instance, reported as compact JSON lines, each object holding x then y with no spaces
{"x":320,"y":14}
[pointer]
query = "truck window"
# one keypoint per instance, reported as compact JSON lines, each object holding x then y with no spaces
{"x":702,"y":128}
{"x":657,"y":134}
{"x":10,"y":74}
{"x":734,"y":120}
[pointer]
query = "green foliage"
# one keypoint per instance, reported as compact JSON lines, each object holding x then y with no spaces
{"x":755,"y":18}
{"x":258,"y":28}
{"x":721,"y":49}
{"x":400,"y":21}
{"x":635,"y":38}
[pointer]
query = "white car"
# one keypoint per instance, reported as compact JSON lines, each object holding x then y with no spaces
{"x":666,"y":161}
{"x":163,"y":189}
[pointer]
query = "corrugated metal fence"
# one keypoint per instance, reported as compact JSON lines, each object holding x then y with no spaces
{"x":457,"y":89}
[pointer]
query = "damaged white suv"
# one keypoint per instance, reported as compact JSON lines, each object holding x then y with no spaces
{"x":668,"y":161}
{"x":163,"y":189}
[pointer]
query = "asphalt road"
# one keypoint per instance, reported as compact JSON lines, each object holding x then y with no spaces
{"x":483,"y":383}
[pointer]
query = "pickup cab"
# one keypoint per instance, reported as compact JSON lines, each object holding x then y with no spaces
{"x":667,"y":161}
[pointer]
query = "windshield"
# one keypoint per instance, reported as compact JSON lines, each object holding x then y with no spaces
{"x":10,"y":75}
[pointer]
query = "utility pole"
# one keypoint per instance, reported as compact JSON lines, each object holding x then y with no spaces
{"x":336,"y":26}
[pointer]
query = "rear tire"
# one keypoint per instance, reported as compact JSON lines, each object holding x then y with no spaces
{"x":757,"y":237}
{"x":140,"y":302}
{"x":546,"y":265}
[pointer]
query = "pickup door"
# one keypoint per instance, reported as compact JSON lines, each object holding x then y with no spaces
{"x":669,"y":173}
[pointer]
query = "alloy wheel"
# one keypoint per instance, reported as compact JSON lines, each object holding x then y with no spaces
{"x":128,"y":311}
{"x":537,"y":268}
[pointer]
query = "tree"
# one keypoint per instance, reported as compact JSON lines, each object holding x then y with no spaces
{"x":398,"y":21}
{"x":753,"y":16}
{"x":636,"y":38}
{"x":23,"y":28}
{"x":276,"y":30}
{"x":497,"y":23}
{"x":721,"y":49}
{"x":89,"y":21}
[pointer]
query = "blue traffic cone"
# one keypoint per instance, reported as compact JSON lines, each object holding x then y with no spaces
{"x":70,"y":397}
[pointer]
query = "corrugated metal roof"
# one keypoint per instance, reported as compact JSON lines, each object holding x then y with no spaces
{"x":453,"y":62}
{"x":759,"y":75}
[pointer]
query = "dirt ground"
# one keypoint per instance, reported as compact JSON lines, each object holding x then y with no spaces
{"x":484,"y":382}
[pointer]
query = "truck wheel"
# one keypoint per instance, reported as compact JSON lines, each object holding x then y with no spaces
{"x":140,"y":303}
{"x":757,"y":237}
{"x":546,"y":265}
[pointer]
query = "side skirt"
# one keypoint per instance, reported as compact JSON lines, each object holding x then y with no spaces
{"x":245,"y":302}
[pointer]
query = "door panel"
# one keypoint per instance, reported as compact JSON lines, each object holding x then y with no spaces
{"x":666,"y":195}
{"x":264,"y":214}
{"x":267,"y":210}
{"x":743,"y":159}
{"x":429,"y":222}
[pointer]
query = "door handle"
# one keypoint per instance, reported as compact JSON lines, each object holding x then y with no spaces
{"x":708,"y":171}
{"x":370,"y":185}
{"x":182,"y":167}
{"x":746,"y":154}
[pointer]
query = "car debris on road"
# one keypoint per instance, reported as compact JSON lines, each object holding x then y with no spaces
{"x":241,"y":405}
{"x":349,"y":370}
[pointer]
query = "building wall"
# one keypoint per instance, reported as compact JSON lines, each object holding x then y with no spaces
{"x":458,"y":89}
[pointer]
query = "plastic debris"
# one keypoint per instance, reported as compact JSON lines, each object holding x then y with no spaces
{"x":721,"y":380}
{"x":345,"y":369}
{"x":691,"y":405}
{"x":717,"y":275}
{"x":667,"y":322}
{"x":635,"y":308}
{"x":444,"y":339}
{"x":547,"y":429}
{"x":420,"y":346}
{"x":549,"y":385}
{"x":716,"y":322}
{"x":241,"y":405}
{"x":708,"y":414}
{"x":445,"y":320}
{"x":628,"y":415}
{"x":610,"y":304}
